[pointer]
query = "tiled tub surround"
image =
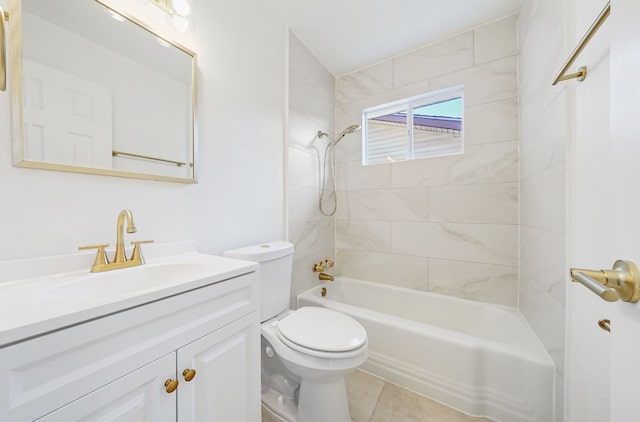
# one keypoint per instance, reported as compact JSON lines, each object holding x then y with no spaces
{"x":544,"y":134}
{"x":446,"y":224}
{"x":311,"y":108}
{"x":483,"y":359}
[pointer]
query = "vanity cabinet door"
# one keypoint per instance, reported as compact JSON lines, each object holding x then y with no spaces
{"x":140,"y":396}
{"x":226,"y":385}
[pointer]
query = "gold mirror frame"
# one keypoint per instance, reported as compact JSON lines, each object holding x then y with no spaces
{"x":16,"y":86}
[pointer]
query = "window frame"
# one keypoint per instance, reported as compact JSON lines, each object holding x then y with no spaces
{"x":409,"y":104}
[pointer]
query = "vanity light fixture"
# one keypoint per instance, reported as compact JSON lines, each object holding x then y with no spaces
{"x":181,"y":7}
{"x":180,"y":23}
{"x":176,"y":10}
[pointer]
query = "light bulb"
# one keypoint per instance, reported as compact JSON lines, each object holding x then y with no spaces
{"x":181,"y":7}
{"x":180,"y":23}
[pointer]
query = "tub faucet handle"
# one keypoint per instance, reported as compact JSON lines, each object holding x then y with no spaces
{"x":329,"y":263}
{"x":318,"y":268}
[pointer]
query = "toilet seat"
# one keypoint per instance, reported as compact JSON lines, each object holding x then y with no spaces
{"x":321,"y":332}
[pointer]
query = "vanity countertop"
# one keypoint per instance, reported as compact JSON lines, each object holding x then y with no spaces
{"x":38,"y":303}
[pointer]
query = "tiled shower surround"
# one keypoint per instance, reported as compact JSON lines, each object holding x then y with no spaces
{"x":311,"y":108}
{"x":445,"y":224}
{"x":543,"y":172}
{"x":449,"y":224}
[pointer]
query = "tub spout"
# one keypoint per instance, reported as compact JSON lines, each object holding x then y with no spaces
{"x":325,"y":277}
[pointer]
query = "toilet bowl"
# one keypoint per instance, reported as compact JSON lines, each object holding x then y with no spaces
{"x":319,"y":353}
{"x":305,"y":352}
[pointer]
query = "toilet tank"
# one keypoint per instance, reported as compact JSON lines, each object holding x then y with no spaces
{"x":276,"y":261}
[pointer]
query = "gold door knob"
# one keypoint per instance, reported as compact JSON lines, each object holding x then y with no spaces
{"x":171,"y":385}
{"x":189,"y":374}
{"x":621,"y":282}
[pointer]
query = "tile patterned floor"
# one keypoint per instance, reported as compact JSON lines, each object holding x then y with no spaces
{"x":371,"y":399}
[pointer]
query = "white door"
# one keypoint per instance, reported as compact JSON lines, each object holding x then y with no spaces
{"x":226,"y":385}
{"x":587,"y":359}
{"x":624,"y":202}
{"x":138,"y":397}
{"x":606,"y":209}
{"x":67,"y":120}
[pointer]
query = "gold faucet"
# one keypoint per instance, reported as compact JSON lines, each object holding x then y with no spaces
{"x":131,"y":228}
{"x":120,"y":260}
{"x":325,"y":277}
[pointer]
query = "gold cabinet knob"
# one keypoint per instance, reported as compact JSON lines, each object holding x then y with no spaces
{"x":189,"y":374}
{"x":171,"y":385}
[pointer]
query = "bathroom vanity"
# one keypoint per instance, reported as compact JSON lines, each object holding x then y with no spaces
{"x":174,"y":339}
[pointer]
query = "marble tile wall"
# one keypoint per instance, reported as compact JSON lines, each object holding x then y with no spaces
{"x":445,"y":224}
{"x":543,"y":146}
{"x":311,"y":108}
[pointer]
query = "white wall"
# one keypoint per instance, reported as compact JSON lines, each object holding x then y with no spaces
{"x":442,"y":224}
{"x":311,"y":108}
{"x":239,"y":198}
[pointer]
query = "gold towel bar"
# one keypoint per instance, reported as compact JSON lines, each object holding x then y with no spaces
{"x":145,"y":157}
{"x":582,"y":72}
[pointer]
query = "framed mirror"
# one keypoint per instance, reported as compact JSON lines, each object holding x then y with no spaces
{"x":96,"y":91}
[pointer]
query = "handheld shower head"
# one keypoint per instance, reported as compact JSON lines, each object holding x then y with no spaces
{"x":348,"y":131}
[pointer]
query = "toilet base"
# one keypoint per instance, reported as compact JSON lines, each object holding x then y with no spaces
{"x":322,"y":401}
{"x":283,"y":407}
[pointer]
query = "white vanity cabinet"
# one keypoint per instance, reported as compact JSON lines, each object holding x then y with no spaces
{"x":226,"y":386}
{"x":134,"y":397}
{"x":114,"y":368}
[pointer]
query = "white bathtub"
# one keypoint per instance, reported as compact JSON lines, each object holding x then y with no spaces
{"x":479,"y":358}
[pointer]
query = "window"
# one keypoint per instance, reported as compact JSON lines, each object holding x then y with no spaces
{"x":436,"y":127}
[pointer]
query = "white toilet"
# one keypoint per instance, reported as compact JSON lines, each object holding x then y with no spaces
{"x":306,"y":352}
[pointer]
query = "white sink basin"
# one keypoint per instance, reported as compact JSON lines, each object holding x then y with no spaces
{"x":120,"y":283}
{"x":43,"y":294}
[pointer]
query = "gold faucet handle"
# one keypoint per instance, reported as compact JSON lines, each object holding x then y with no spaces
{"x":101,"y":256}
{"x":141,"y":242}
{"x":329,"y":263}
{"x":137,"y":254}
{"x":85,"y":248}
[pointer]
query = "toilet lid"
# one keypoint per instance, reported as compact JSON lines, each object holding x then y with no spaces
{"x":322,"y":329}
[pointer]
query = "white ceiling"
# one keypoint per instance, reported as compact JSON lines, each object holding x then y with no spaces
{"x":347,"y":35}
